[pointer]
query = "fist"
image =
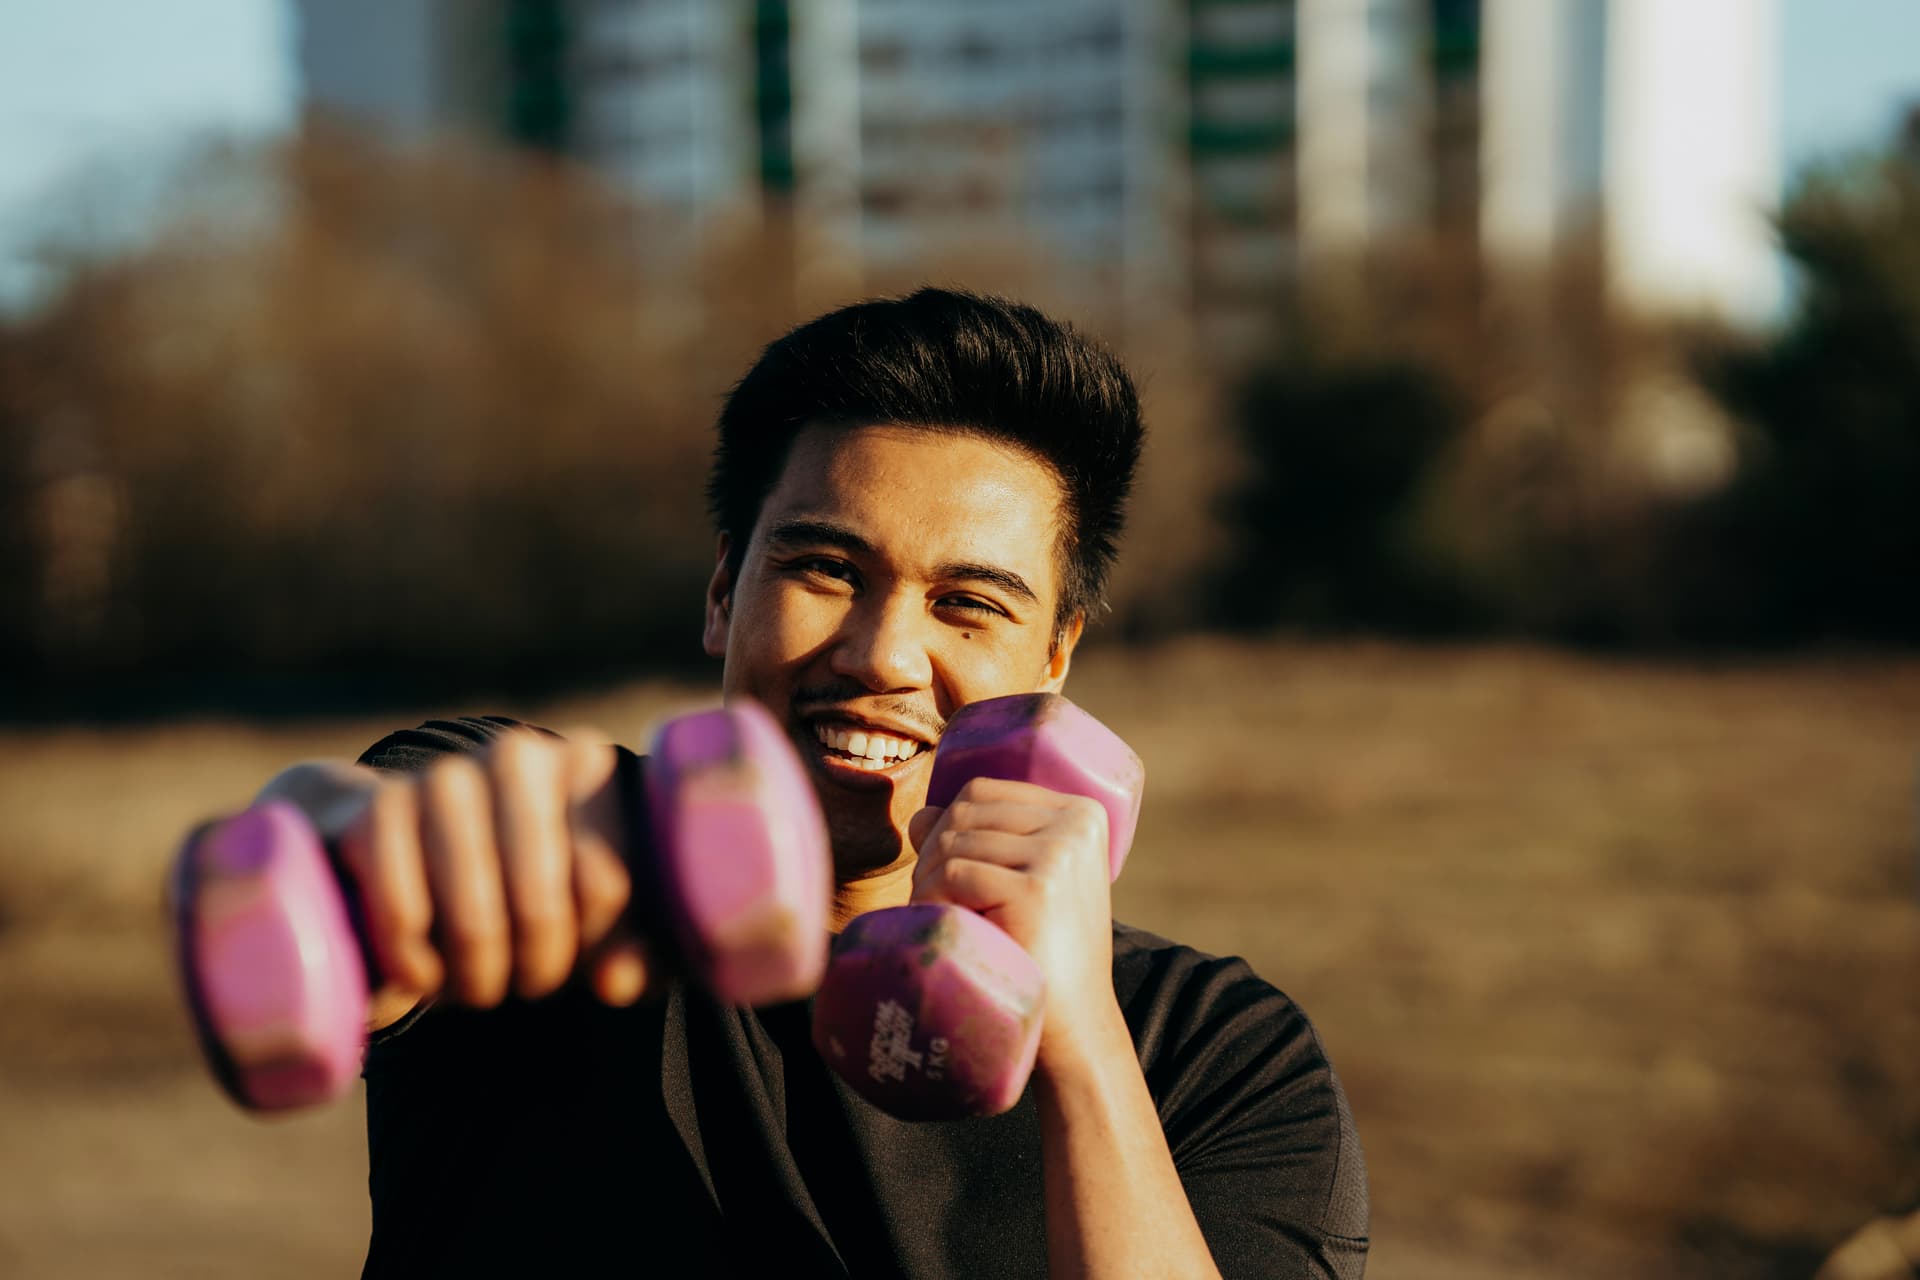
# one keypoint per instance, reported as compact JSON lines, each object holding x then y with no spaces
{"x":1035,"y":863}
{"x":483,"y":873}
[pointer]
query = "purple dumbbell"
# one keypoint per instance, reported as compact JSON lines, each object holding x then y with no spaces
{"x":277,"y":976}
{"x":929,"y":1011}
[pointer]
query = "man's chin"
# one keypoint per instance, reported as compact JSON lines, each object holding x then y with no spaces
{"x":864,"y":844}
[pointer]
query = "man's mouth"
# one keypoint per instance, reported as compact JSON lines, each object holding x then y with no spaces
{"x":865,"y":749}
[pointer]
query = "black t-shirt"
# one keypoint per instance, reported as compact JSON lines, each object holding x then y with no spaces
{"x":681,"y":1137}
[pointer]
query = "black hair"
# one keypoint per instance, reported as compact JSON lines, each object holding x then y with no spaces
{"x":945,"y":360}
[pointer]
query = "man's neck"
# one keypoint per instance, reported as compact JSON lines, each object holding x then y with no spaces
{"x":889,"y":888}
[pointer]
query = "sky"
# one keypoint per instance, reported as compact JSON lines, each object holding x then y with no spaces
{"x":90,"y":82}
{"x":84,"y":83}
{"x":1848,"y":69}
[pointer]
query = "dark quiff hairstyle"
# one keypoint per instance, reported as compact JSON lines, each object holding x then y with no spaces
{"x":948,"y":361}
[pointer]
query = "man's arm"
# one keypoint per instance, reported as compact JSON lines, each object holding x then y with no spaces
{"x":1115,"y":1204}
{"x":1034,"y":862}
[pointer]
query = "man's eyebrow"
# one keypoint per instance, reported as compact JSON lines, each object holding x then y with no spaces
{"x":818,"y":532}
{"x":803,"y":532}
{"x":1011,"y":583}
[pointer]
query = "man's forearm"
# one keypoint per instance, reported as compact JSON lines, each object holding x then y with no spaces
{"x":1115,"y":1205}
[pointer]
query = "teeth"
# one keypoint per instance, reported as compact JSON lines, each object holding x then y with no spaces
{"x":870,"y":750}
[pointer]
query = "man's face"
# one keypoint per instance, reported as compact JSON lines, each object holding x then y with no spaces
{"x":895,"y":575}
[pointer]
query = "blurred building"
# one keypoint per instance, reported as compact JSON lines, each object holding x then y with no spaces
{"x":1321,"y":131}
{"x":655,"y":94}
{"x":1655,"y":123}
{"x":1167,"y":155}
{"x":945,"y":123}
{"x":660,"y":99}
{"x":1543,"y":146}
{"x":413,"y":67}
{"x":1175,"y":155}
{"x":898,"y":132}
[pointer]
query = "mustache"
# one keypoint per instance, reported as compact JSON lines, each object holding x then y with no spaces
{"x":892,"y":705}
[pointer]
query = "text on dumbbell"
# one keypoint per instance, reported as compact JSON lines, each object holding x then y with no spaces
{"x":890,"y":1054}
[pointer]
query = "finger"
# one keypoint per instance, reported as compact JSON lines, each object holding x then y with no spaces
{"x":536,"y":858}
{"x":601,"y":883}
{"x":982,"y":887}
{"x":381,"y":851}
{"x":999,"y":815}
{"x":1008,"y":790}
{"x":622,"y":970}
{"x":1000,"y":848}
{"x":921,"y":823}
{"x":463,"y":869}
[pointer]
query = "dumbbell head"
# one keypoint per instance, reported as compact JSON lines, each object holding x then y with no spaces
{"x":1044,"y":739}
{"x":274,"y":974}
{"x":745,"y":866}
{"x":929,"y":1011}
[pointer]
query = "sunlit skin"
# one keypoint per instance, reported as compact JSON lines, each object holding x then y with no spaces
{"x":895,"y":574}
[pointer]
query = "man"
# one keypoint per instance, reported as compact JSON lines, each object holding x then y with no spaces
{"x":918,"y":501}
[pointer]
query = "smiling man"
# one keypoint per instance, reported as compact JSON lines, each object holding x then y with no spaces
{"x":918,"y":501}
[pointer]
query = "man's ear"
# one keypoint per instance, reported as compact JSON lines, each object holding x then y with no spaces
{"x":1062,"y":656}
{"x":713,"y":637}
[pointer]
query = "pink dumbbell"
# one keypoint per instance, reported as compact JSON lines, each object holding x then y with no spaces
{"x":929,"y":1011}
{"x":277,"y":976}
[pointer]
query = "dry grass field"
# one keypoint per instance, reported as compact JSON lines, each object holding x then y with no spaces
{"x":1617,"y":960}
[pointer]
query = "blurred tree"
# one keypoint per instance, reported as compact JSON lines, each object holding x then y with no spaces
{"x":439,"y":418}
{"x":1825,"y":508}
{"x":1337,"y":456}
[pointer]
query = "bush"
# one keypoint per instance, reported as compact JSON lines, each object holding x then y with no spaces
{"x":1324,"y":522}
{"x":1825,"y":508}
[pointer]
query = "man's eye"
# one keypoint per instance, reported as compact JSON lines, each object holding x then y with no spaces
{"x":839,"y":570}
{"x":969,"y":604}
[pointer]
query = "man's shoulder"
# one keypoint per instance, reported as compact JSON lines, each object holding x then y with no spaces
{"x":1192,"y":1012}
{"x":1149,"y":968}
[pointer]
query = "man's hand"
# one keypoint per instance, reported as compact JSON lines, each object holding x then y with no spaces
{"x":1033,"y":862}
{"x":483,"y":871}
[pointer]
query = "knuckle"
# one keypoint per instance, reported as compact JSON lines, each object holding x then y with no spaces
{"x":451,"y":781}
{"x":522,"y":751}
{"x":406,"y":915}
{"x":602,"y":900}
{"x":542,"y":923}
{"x":391,"y":807}
{"x":475,"y":943}
{"x":386,"y":818}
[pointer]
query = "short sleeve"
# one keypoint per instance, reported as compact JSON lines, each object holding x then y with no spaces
{"x":1255,"y":1117}
{"x":411,"y":749}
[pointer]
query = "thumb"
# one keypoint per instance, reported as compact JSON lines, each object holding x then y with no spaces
{"x":921,"y":824}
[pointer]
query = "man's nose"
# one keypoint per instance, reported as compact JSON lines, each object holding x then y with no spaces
{"x":882,"y":645}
